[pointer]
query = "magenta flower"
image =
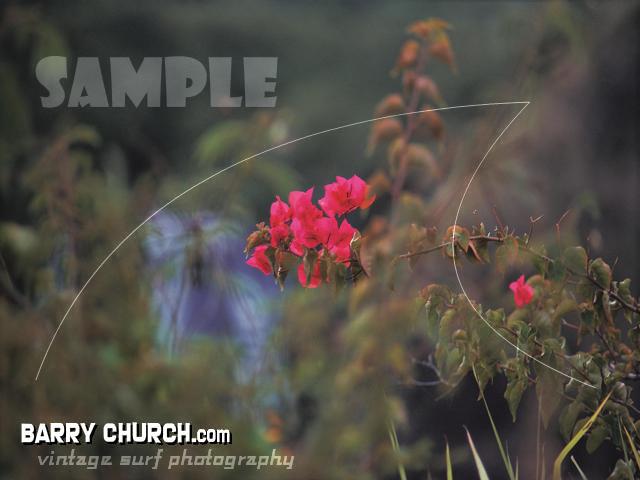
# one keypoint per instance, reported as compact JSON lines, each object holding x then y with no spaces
{"x":260,"y":260}
{"x":280,"y":212}
{"x":339,"y":242}
{"x":279,"y":234}
{"x":343,"y":196}
{"x":299,"y":227}
{"x":522,"y":293}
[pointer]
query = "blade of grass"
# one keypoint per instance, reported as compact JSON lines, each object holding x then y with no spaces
{"x":503,"y":454}
{"x":393,"y":436}
{"x":538,"y":423}
{"x":632,"y":444}
{"x":482,"y":472}
{"x":515,"y":473}
{"x":582,"y":475}
{"x":447,"y":454}
{"x":622,"y":442}
{"x":557,"y":465}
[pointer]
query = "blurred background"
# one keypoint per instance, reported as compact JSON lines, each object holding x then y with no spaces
{"x":176,"y":327}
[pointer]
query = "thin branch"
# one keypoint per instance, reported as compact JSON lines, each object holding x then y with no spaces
{"x":532,"y":223}
{"x":498,"y":239}
{"x":494,"y":209}
{"x":559,"y":222}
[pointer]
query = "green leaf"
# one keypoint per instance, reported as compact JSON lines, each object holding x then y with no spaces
{"x":461,"y":236}
{"x":484,"y":372}
{"x":481,"y":248}
{"x":568,"y":418}
{"x":575,"y":259}
{"x":448,"y":325}
{"x":624,"y":290}
{"x":596,"y":437}
{"x":433,"y":319}
{"x":287,"y":260}
{"x":519,"y":316}
{"x":507,"y":253}
{"x":454,"y":359}
{"x":309,"y":260}
{"x":556,"y":271}
{"x":622,"y":471}
{"x":567,"y":305}
{"x":540,"y":264}
{"x":587,"y":321}
{"x":337,"y":273}
{"x":545,"y":324}
{"x":601,"y":273}
{"x":548,"y":386}
{"x":513,"y":393}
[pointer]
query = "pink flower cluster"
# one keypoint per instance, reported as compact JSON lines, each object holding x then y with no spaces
{"x":300,"y":226}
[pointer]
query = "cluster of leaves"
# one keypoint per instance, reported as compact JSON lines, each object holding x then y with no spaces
{"x":570,"y":346}
{"x":571,"y":292}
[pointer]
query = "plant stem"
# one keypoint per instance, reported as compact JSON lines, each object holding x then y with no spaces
{"x":411,"y":125}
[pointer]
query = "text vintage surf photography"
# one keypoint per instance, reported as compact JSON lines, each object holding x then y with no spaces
{"x":162,"y":81}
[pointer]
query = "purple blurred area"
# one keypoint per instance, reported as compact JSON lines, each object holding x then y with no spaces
{"x":202,"y":285}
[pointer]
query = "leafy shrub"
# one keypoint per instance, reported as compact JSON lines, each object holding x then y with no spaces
{"x":585,"y":377}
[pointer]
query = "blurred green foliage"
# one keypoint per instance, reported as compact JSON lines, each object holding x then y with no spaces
{"x":74,"y":183}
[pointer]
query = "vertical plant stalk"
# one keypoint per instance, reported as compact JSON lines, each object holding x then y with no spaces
{"x":403,"y":167}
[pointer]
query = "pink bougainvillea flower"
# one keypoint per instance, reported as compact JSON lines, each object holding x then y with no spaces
{"x":296,"y":248}
{"x":280,"y":212}
{"x":299,"y":227}
{"x":302,"y":207}
{"x":260,"y":260}
{"x":340,"y":242}
{"x":305,"y":233}
{"x":522,"y":293}
{"x":279,"y":234}
{"x":316,"y":276}
{"x":326,"y":228}
{"x":345,"y":195}
{"x":297,"y":196}
{"x":305,"y":214}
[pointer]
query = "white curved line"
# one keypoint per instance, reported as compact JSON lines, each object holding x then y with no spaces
{"x":455,"y":266}
{"x":341,"y":127}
